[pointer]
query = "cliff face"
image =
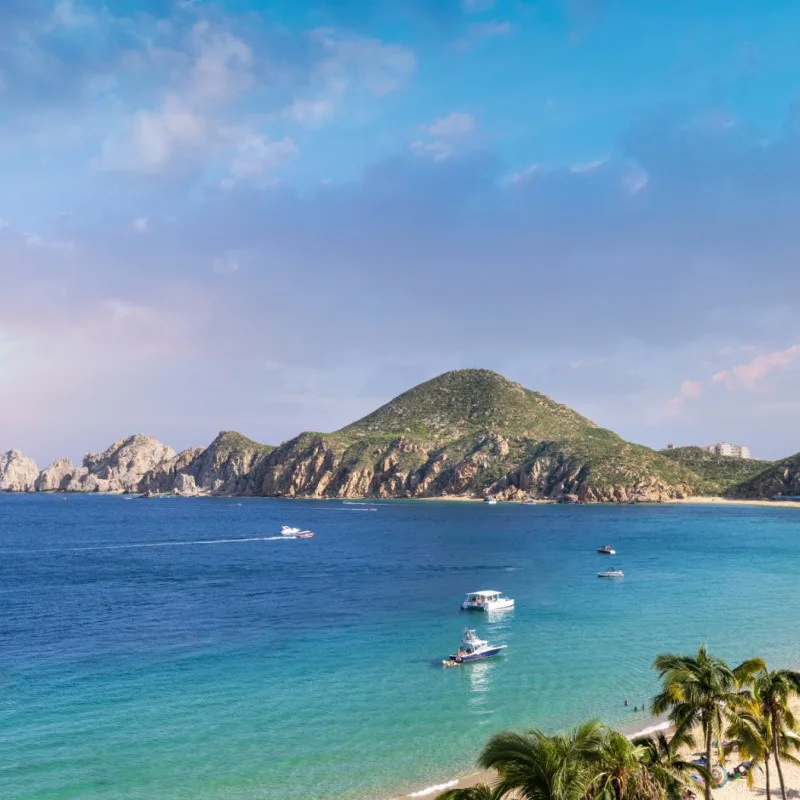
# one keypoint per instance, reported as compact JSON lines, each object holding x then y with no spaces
{"x":56,"y":477}
{"x":18,"y":473}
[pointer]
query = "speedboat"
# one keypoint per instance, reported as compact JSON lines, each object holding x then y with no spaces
{"x":304,"y":535}
{"x":607,"y":550}
{"x":473,"y":649}
{"x":611,"y":573}
{"x":492,"y":501}
{"x":287,"y":530}
{"x":487,"y":600}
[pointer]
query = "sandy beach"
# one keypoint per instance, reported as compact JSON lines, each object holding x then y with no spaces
{"x":723,"y":501}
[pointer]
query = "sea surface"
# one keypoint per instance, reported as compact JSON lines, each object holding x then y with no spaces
{"x":174,"y":649}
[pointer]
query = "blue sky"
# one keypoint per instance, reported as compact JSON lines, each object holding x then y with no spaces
{"x":273,"y":216}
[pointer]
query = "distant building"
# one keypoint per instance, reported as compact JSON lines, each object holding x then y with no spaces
{"x":670,"y":445}
{"x":726,"y":449}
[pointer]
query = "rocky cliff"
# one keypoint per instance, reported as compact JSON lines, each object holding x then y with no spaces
{"x":18,"y":473}
{"x":223,"y":468}
{"x":56,"y":477}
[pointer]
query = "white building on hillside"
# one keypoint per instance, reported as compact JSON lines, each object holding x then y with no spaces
{"x":726,"y":449}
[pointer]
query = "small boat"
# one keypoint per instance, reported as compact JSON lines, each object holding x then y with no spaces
{"x":492,"y":501}
{"x":486,"y":600}
{"x":529,"y":501}
{"x":287,"y":530}
{"x":607,"y":550}
{"x":304,"y":535}
{"x":611,"y":573}
{"x":472,"y":649}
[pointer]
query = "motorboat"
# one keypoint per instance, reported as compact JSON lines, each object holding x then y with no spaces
{"x":472,"y":649}
{"x":529,"y":501}
{"x":492,"y":501}
{"x":304,"y":535}
{"x":607,"y":550}
{"x":611,"y":573}
{"x":287,"y":530}
{"x":486,"y":600}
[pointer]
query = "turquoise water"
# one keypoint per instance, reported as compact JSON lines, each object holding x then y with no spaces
{"x":307,"y":669}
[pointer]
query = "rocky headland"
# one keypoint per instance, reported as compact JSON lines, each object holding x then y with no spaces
{"x":467,"y":433}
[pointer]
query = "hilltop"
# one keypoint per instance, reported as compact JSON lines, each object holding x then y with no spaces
{"x":717,"y":474}
{"x":471,"y":432}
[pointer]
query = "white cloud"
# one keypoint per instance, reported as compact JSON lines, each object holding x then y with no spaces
{"x":362,"y":62}
{"x":437,"y":150}
{"x":310,"y":112}
{"x":635,"y":181}
{"x":689,"y":389}
{"x":257,"y":155}
{"x":67,"y":15}
{"x":525,"y":174}
{"x":140,"y":224}
{"x":588,"y":166}
{"x":751,"y":374}
{"x":452,"y":126}
{"x":222,"y":68}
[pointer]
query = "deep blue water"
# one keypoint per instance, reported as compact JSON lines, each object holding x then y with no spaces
{"x":297,"y":669}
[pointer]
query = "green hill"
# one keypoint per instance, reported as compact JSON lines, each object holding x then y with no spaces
{"x":780,"y":477}
{"x":472,"y":432}
{"x":717,"y":474}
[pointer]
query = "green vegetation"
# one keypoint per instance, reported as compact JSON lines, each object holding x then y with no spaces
{"x":472,"y":431}
{"x":747,"y":709}
{"x":230,"y":442}
{"x":715,"y":474}
{"x":780,"y":477}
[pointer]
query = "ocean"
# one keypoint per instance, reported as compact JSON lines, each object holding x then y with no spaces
{"x":174,"y":649}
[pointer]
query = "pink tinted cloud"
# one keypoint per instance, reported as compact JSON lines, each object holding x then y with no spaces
{"x":751,"y":374}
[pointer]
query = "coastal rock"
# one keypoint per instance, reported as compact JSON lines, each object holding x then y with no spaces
{"x":185,"y":486}
{"x":122,"y":466}
{"x":56,"y":477}
{"x":162,"y":479}
{"x":18,"y":473}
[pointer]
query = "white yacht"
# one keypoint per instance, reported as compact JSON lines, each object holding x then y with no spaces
{"x":287,"y":530}
{"x":486,"y":600}
{"x":611,"y":573}
{"x":473,"y":649}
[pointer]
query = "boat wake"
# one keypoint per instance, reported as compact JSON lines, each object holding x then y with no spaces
{"x":134,"y":545}
{"x":439,"y":787}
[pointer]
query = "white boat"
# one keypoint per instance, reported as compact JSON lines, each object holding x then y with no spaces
{"x":611,"y":573}
{"x":472,"y":649}
{"x":486,"y":600}
{"x":607,"y":550}
{"x":287,"y":530}
{"x":492,"y":501}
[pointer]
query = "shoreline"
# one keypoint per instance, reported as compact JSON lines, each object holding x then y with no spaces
{"x":655,"y":724}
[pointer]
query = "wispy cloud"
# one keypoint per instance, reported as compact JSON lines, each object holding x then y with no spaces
{"x":751,"y":374}
{"x":444,"y":132}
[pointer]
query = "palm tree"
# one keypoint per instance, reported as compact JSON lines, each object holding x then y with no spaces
{"x":753,"y":737}
{"x":480,"y":792}
{"x":663,"y":759}
{"x":623,"y":771}
{"x":700,"y":690}
{"x":773,"y":691}
{"x":535,"y":766}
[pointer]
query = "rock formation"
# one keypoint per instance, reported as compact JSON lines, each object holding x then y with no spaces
{"x":18,"y":473}
{"x":56,"y":477}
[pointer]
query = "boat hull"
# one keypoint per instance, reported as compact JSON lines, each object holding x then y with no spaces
{"x":499,"y":606}
{"x":488,"y":653}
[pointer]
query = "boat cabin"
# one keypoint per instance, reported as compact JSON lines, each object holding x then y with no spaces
{"x":482,"y":598}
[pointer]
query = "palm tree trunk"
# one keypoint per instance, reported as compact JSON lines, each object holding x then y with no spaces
{"x":709,"y":731}
{"x":777,"y":759}
{"x":766,"y":772}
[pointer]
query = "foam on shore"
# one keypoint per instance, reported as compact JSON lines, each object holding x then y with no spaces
{"x":435,"y":789}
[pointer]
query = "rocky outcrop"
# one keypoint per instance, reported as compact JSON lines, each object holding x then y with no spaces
{"x":122,"y":466}
{"x":18,"y":473}
{"x":56,"y":477}
{"x":163,"y":479}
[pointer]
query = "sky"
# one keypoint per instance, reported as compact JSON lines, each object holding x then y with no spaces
{"x":275,"y":215}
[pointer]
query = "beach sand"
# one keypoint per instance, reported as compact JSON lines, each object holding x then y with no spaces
{"x":723,"y":501}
